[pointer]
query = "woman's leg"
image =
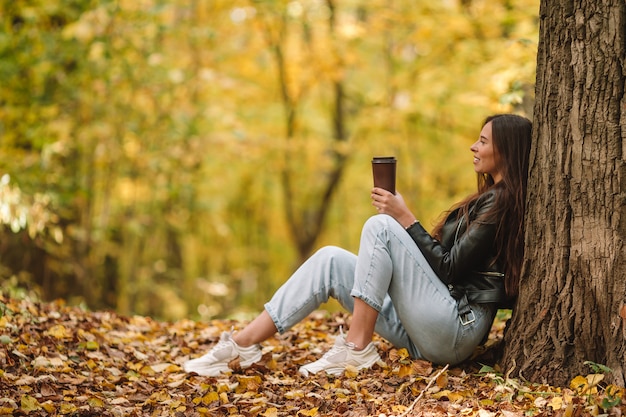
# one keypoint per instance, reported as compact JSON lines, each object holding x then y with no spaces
{"x":328,"y":273}
{"x":373,"y":274}
{"x":258,"y":330}
{"x":390,"y":266}
{"x":362,"y":325}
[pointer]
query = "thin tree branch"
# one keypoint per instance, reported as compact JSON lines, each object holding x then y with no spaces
{"x":432,"y":380}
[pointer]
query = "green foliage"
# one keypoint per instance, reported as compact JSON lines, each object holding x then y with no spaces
{"x":612,"y":397}
{"x":192,"y":153}
{"x":598,"y":368}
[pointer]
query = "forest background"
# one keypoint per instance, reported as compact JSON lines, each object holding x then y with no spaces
{"x":180,"y":158}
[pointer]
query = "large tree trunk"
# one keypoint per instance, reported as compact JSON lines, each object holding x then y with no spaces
{"x":572,"y":305}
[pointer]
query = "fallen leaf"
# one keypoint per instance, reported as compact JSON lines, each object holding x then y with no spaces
{"x":133,"y":367}
{"x":556,"y":403}
{"x":270,"y":412}
{"x":485,"y":413}
{"x":59,"y":331}
{"x":29,"y":404}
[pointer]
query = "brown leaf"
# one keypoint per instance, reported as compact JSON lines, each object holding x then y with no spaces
{"x":442,"y":380}
{"x":422,"y":367}
{"x":134,"y":368}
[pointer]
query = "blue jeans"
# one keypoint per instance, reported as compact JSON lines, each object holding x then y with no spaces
{"x":390,"y":274}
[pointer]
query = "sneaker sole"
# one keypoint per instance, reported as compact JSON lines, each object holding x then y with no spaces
{"x":219,"y":368}
{"x":213,"y":370}
{"x":337,"y":370}
{"x":251,"y":361}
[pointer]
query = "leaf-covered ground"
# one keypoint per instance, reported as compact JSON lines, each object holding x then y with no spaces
{"x":60,"y":360}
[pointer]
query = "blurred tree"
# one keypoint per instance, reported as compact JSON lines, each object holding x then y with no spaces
{"x":195,"y":151}
{"x":305,"y":56}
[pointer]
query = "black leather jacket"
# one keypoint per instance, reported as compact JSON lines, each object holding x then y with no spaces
{"x":464,"y":259}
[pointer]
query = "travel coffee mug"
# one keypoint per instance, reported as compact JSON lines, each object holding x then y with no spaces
{"x":384,"y":172}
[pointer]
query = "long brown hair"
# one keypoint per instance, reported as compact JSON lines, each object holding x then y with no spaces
{"x":511,"y":135}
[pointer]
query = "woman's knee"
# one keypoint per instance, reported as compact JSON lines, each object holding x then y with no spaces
{"x":333,"y":254}
{"x":338,"y":264}
{"x":378,"y":222}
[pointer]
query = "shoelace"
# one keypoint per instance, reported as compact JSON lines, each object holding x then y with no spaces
{"x":224,"y":339}
{"x":335,"y":349}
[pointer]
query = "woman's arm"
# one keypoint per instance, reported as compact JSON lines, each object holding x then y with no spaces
{"x":470,"y":251}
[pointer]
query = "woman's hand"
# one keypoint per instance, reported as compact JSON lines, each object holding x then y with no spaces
{"x":393,"y":205}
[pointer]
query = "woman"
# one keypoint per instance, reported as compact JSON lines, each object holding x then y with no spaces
{"x":435,"y":295}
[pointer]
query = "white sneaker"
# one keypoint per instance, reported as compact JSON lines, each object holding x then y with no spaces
{"x":216,"y":361}
{"x":336,"y":360}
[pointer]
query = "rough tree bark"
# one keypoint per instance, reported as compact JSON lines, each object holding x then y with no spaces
{"x":572,"y":304}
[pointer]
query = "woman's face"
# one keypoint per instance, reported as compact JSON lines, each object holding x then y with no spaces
{"x":484,"y":154}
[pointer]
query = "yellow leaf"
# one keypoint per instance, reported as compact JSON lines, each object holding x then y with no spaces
{"x":351,"y":371}
{"x":441,"y":394}
{"x":147,"y":370}
{"x":567,"y":397}
{"x":270,"y":412}
{"x":586,"y":385}
{"x":92,"y":345}
{"x":248,"y":383}
{"x":405,"y":370}
{"x":95,"y":402}
{"x":398,"y":355}
{"x":308,"y":413}
{"x":220,"y":388}
{"x":68,"y":408}
{"x":556,"y":403}
{"x":452,"y":396}
{"x":614,"y":391}
{"x":58,"y":331}
{"x":161,"y":396}
{"x":162,"y":367}
{"x":224,"y":398}
{"x":354,"y":386}
{"x":29,"y":404}
{"x":294,"y":394}
{"x":456,"y":396}
{"x":48,"y":406}
{"x":210,"y":398}
{"x":272,"y":364}
{"x":578,"y":384}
